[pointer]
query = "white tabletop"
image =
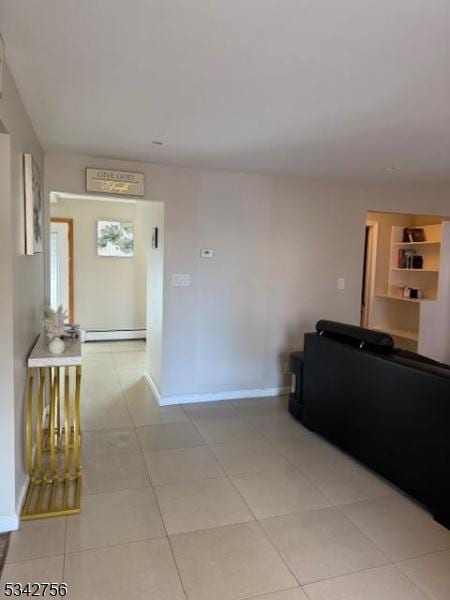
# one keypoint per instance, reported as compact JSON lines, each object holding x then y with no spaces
{"x":42,"y":357}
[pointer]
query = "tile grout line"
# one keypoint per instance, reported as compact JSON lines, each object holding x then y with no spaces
{"x":336,"y":507}
{"x":262,"y":530}
{"x":141,"y":453}
{"x":413,"y":582}
{"x":255,"y":520}
{"x":64,"y":555}
{"x":95,"y":548}
{"x":115,"y":545}
{"x":398,"y":562}
{"x":279,"y":554}
{"x":262,"y":596}
{"x":364,"y":571}
{"x":159,"y":510}
{"x":227,"y":476}
{"x":168,"y":537}
{"x":293,"y":437}
{"x":390,"y":562}
{"x":65,"y":541}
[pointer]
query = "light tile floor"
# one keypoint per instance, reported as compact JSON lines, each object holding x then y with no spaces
{"x":223,"y":501}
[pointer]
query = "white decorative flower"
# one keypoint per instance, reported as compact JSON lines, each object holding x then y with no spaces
{"x":54,"y":321}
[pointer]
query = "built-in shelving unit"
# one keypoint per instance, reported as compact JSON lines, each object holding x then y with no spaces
{"x":418,"y":324}
{"x":403,"y":334}
{"x":425,"y":278}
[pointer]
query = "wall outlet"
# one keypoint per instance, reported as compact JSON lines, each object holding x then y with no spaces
{"x":181,"y":280}
{"x":341,"y":283}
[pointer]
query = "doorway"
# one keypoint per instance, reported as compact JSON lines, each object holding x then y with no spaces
{"x":116,"y":297}
{"x":62,"y":265}
{"x":101,"y":272}
{"x":368,"y":276}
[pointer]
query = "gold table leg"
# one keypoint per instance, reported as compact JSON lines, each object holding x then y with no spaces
{"x":52,"y":451}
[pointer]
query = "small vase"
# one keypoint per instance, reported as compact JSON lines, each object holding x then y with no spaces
{"x":57,"y":346}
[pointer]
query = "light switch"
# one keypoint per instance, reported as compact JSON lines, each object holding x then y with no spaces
{"x":341,"y":283}
{"x":206,"y":253}
{"x":181,"y":280}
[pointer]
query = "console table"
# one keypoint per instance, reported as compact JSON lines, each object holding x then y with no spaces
{"x":52,"y":431}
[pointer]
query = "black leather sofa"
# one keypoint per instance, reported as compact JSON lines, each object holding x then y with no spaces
{"x":387,"y":407}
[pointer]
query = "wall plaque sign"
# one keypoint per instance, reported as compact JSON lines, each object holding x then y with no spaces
{"x":115,"y":182}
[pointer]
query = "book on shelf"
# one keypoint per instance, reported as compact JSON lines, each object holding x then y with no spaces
{"x":408,"y":259}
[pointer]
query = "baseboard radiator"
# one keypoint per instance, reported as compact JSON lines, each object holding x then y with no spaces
{"x":98,"y":335}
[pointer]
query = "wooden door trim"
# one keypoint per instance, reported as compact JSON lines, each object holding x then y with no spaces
{"x":70,"y":240}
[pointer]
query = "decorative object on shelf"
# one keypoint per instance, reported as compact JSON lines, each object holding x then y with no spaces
{"x":72,"y":331}
{"x":57,"y":345}
{"x":418,"y":235}
{"x":115,"y":238}
{"x":55,"y":329}
{"x":34,"y":206}
{"x":414,"y":293}
{"x":417,"y":262}
{"x":414,"y":235}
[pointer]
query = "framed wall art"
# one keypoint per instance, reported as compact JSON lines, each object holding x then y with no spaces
{"x":115,"y":238}
{"x":34,"y":207}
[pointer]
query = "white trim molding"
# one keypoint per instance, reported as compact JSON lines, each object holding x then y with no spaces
{"x":12,"y":522}
{"x":24,"y":490}
{"x":92,"y":335}
{"x":9,"y":523}
{"x":151,"y":384}
{"x":214,"y":396}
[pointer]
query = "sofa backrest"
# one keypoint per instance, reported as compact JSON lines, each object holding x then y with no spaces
{"x":393,"y":413}
{"x":377,"y":341}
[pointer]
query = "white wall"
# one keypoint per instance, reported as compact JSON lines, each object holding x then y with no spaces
{"x":152,"y":215}
{"x":109,"y":292}
{"x":26,"y":284}
{"x":279,"y":246}
{"x":7,"y":458}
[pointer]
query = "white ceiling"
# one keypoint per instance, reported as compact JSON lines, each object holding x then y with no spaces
{"x":322,"y":88}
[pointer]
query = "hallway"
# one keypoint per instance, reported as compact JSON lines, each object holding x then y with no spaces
{"x":222,"y":501}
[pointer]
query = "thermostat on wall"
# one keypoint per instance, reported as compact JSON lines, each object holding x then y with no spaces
{"x":206,"y":253}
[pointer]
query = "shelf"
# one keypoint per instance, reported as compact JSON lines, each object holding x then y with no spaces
{"x":400,"y":333}
{"x":415,"y":270}
{"x":389,"y":297}
{"x":416,"y":243}
{"x":42,"y":357}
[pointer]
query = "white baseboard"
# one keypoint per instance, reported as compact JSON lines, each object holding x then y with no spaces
{"x":9,"y":523}
{"x":152,"y":386}
{"x":96,"y":335}
{"x":23,"y":491}
{"x":214,"y":396}
{"x":12,"y":522}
